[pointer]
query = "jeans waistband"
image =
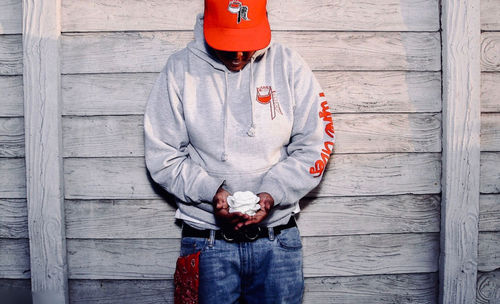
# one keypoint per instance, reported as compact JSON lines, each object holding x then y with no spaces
{"x":245,"y":234}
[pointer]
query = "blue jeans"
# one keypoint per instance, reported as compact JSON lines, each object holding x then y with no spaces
{"x":267,"y":270}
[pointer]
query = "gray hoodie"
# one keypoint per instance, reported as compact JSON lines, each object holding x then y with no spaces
{"x":266,"y":128}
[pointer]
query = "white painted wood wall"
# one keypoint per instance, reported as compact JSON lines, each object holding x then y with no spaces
{"x":371,"y":231}
{"x":488,"y":277}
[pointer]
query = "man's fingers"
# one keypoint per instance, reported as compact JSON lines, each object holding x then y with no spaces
{"x":235,"y":220}
{"x":222,"y":212}
{"x":250,"y":222}
{"x":232,"y":217}
{"x":239,"y":225}
{"x":237,"y":215}
{"x":257,"y":218}
{"x":221,"y":204}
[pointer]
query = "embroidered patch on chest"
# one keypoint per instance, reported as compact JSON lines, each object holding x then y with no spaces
{"x":266,"y":95}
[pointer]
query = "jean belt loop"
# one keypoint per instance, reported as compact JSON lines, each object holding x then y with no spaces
{"x":271,"y":233}
{"x":211,"y":240}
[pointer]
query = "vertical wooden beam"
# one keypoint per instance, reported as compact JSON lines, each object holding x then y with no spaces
{"x":42,"y":116}
{"x":461,"y":127}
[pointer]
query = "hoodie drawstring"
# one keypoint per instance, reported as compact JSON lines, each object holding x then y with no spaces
{"x":224,"y":128}
{"x":251,"y":131}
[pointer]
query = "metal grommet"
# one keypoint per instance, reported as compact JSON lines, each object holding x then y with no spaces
{"x":254,"y":237}
{"x":226,"y":238}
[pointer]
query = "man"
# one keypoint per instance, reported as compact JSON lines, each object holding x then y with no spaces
{"x":234,"y":112}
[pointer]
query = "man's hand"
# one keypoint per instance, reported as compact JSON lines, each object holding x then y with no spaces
{"x":234,"y":220}
{"x":266,"y":203}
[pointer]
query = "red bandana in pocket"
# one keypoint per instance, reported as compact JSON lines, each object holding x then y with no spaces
{"x":187,"y":279}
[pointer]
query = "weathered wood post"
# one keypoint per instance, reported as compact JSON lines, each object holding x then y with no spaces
{"x":44,"y":175}
{"x":460,"y":163}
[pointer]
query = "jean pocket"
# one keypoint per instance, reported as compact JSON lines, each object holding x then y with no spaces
{"x":190,"y":245}
{"x":289,"y":239}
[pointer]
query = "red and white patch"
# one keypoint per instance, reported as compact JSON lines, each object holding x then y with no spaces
{"x":266,"y":95}
{"x":236,"y":7}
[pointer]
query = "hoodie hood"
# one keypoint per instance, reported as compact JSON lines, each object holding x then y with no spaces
{"x":201,"y":49}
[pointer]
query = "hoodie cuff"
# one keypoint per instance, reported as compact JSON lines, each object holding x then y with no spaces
{"x":209,"y":188}
{"x":274,"y":189}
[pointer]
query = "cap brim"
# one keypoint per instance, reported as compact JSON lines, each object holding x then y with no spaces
{"x":243,"y":39}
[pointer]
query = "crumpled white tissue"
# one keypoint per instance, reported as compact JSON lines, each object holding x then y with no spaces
{"x":244,"y":201}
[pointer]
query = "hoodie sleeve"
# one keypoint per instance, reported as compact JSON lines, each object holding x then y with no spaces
{"x":166,"y":140}
{"x":311,"y":141}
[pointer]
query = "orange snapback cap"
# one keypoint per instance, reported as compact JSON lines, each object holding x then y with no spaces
{"x":236,"y":25}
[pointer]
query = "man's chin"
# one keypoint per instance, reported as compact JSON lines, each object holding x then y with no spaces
{"x":235,"y":68}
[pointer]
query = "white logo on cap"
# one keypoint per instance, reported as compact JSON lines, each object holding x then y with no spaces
{"x":236,"y":7}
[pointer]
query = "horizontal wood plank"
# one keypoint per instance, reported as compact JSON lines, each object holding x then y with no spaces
{"x":148,"y":51}
{"x":122,"y":259}
{"x":393,"y":288}
{"x":107,"y":178}
{"x":369,"y":215}
{"x":11,"y":55}
{"x":488,"y":287}
{"x":490,"y":10}
{"x":490,"y":132}
{"x":370,"y":254}
{"x":347,"y":175}
{"x":490,"y":51}
{"x":13,"y":218}
{"x":13,"y":182}
{"x":391,"y":15}
{"x":489,"y":212}
{"x":14,"y":259}
{"x":384,"y":15}
{"x":379,"y":174}
{"x":15,"y":291}
{"x":12,"y":96}
{"x":99,"y":219}
{"x":323,"y":256}
{"x":349,"y":50}
{"x":11,"y":137}
{"x":106,"y":94}
{"x":394,"y":91}
{"x":391,"y":91}
{"x":488,"y":251}
{"x":139,"y":51}
{"x":11,"y":17}
{"x":490,"y":92}
{"x":121,"y":291}
{"x":490,"y":172}
{"x":103,"y":136}
{"x":366,"y":133}
{"x":106,"y":136}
